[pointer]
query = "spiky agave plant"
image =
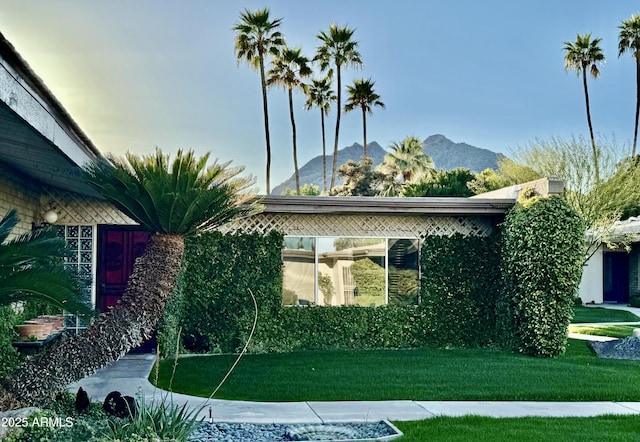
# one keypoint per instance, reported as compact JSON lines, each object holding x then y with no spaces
{"x":173,"y":199}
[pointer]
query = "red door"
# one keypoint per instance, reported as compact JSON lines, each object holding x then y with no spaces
{"x":118,"y":248}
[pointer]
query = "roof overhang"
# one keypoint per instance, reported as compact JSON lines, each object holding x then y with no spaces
{"x":388,"y":206}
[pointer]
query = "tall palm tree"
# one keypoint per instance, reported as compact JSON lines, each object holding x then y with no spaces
{"x":629,"y":40}
{"x":581,"y":55}
{"x":288,"y":70}
{"x":411,"y":163}
{"x":174,"y":200}
{"x":362,"y":95}
{"x":320,"y":95}
{"x":258,"y":37}
{"x":337,"y":49}
{"x":32,"y":268}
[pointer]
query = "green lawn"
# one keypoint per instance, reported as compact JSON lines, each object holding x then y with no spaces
{"x":614,"y":331}
{"x":599,"y":314}
{"x":528,"y":429}
{"x":419,"y":374}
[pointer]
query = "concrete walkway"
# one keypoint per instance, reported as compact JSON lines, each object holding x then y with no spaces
{"x":129,"y":376}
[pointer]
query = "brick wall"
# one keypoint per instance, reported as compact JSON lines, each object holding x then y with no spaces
{"x":17,"y":193}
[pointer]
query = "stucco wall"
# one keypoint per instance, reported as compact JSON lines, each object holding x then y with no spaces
{"x":591,"y":286}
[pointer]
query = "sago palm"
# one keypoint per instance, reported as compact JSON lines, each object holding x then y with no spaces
{"x":32,"y":269}
{"x":362,"y":96}
{"x":629,"y":40}
{"x":289,"y":68}
{"x":257,"y":38}
{"x":582,"y":55}
{"x":173,"y":199}
{"x":320,"y":95}
{"x":337,"y":49}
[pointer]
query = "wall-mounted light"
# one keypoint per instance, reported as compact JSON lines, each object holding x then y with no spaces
{"x":50,"y":216}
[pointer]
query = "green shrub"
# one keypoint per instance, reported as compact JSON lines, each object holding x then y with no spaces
{"x":216,"y":310}
{"x":340,"y":327}
{"x":459,"y":290}
{"x":9,"y":357}
{"x":634,"y":300}
{"x":370,"y":281}
{"x":541,"y":265}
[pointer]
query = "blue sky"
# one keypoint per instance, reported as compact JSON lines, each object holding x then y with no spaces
{"x":140,"y":74}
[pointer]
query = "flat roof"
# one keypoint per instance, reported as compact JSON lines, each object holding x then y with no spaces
{"x":389,"y":206}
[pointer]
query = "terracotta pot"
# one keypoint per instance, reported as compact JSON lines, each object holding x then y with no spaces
{"x":26,"y":331}
{"x":56,"y":322}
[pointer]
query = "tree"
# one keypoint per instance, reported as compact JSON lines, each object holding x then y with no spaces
{"x":598,"y":202}
{"x":257,"y":37}
{"x":509,"y":173}
{"x":411,"y":163}
{"x":32,"y":269}
{"x":173,"y":199}
{"x":582,"y":54}
{"x":629,"y":40}
{"x":359,"y":179}
{"x":320,"y":95}
{"x":305,"y":190}
{"x":338,"y":49}
{"x":362,"y":95}
{"x":289,"y":67}
{"x":444,"y":183}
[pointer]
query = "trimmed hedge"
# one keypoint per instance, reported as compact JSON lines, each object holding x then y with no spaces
{"x":541,"y":268}
{"x":346,"y":327}
{"x":459,"y":290}
{"x":213,"y":303}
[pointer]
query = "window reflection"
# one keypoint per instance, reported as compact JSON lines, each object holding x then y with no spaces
{"x":298,"y":274}
{"x":403,"y":271}
{"x":351,"y":271}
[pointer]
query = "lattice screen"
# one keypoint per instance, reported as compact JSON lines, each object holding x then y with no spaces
{"x":385,"y":226}
{"x":76,"y":209}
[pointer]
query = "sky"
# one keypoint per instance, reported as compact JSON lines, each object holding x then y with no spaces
{"x":136,"y":75}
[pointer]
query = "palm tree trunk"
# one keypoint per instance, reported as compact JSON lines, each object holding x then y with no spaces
{"x":266,"y":121}
{"x":593,"y":140}
{"x":335,"y":143}
{"x":112,"y":334}
{"x":635,"y":131}
{"x":364,"y":131}
{"x":324,"y":151}
{"x":295,"y":148}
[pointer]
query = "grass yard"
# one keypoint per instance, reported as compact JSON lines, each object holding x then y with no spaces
{"x":418,"y":374}
{"x":614,"y":331}
{"x":529,"y":429}
{"x":600,"y":314}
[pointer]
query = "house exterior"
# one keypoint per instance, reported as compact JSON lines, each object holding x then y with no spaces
{"x":334,"y":246}
{"x":612,"y":275}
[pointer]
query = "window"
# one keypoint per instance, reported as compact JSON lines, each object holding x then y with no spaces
{"x":350,"y":271}
{"x":299,"y":269}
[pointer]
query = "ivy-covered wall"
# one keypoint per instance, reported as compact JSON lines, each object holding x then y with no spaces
{"x":513,"y":288}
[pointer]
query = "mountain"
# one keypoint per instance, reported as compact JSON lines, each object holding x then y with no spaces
{"x":448,"y":155}
{"x":445,"y":154}
{"x":311,"y":172}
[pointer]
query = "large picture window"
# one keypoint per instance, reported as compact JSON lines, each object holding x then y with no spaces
{"x":350,"y":271}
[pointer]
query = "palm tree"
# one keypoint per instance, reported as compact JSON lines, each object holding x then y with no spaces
{"x":288,"y":69}
{"x":362,"y":95}
{"x":320,"y":95}
{"x":32,"y":268}
{"x":174,"y":200}
{"x":257,"y":37}
{"x":582,"y":54}
{"x":629,"y":40}
{"x":338,"y":49}
{"x":411,"y":163}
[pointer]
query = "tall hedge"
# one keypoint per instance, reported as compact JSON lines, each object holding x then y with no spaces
{"x":459,"y":289}
{"x":542,"y":253}
{"x":213,"y":303}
